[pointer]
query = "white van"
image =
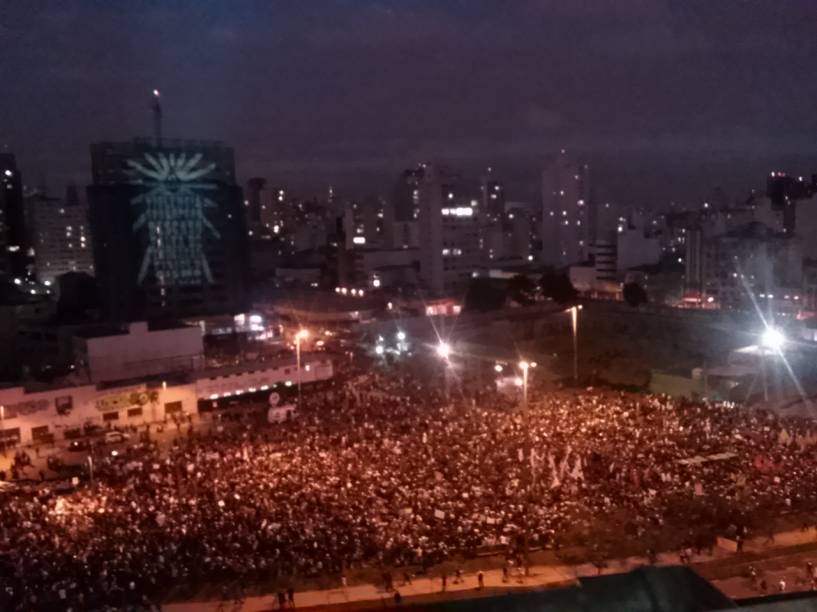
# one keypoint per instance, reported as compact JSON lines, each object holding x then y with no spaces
{"x":115,"y":437}
{"x":279,"y":414}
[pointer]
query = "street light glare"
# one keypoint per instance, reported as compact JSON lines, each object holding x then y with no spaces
{"x":498,"y":367}
{"x":379,"y":349}
{"x":302,"y":334}
{"x":524,"y":365}
{"x":401,"y":335}
{"x":773,"y":339}
{"x":443,"y":350}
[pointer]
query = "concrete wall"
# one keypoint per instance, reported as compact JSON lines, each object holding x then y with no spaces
{"x":225,"y":384}
{"x":141,"y":353}
{"x":24,"y":410}
{"x":71,"y":407}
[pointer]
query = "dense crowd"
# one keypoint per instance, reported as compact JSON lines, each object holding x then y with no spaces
{"x":385,"y":472}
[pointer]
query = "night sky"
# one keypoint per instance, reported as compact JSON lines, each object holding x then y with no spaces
{"x":667,"y":99}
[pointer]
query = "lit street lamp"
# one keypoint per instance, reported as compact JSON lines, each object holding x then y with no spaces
{"x":302,"y":334}
{"x":772,"y":340}
{"x":526,"y":366}
{"x":444,"y":352}
{"x":574,"y":316}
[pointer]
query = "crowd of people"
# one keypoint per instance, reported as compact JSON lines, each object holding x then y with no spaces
{"x":387,"y":472}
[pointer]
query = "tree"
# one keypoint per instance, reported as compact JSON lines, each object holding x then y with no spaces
{"x":484,"y":295}
{"x":634,"y":294}
{"x":557,"y":286}
{"x":521,"y":290}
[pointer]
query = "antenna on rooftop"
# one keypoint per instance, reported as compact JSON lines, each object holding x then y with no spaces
{"x":157,"y":118}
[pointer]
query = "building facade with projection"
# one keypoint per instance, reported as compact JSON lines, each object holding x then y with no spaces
{"x":170,"y":237}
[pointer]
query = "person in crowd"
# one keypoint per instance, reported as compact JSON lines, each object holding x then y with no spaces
{"x":382,"y":471}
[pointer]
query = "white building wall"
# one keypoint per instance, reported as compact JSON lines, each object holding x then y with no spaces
{"x":58,"y":410}
{"x":223,"y":384}
{"x":140,"y":352}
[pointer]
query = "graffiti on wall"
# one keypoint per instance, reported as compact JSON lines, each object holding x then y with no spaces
{"x":25,"y":408}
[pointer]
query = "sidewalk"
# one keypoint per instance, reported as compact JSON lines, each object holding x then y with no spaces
{"x":556,"y":575}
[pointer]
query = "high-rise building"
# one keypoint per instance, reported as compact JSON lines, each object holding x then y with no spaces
{"x":694,"y":263}
{"x":784,"y":191}
{"x":254,"y":202}
{"x":406,"y":195}
{"x":169,"y":230}
{"x":448,"y":232}
{"x":364,"y":223}
{"x":492,"y":191}
{"x":276,"y":211}
{"x":13,"y":251}
{"x":60,"y":235}
{"x":568,"y":212}
{"x":750,"y":264}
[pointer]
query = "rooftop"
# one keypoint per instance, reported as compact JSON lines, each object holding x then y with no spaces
{"x":322,"y":301}
{"x":646,"y":589}
{"x":105,"y":330}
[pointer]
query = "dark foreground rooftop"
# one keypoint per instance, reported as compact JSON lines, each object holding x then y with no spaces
{"x":647,"y":589}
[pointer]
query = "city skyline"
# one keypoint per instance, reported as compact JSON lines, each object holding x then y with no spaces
{"x":666,"y":101}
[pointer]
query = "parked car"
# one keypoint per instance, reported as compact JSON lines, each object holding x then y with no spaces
{"x":91,"y":428}
{"x":79,"y":446}
{"x":115,"y":437}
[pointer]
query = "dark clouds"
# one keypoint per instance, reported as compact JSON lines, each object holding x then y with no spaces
{"x":349,"y":90}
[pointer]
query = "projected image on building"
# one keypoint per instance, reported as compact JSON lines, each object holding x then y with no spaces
{"x":172,"y":209}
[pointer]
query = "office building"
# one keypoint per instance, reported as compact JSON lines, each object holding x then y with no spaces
{"x":364,"y":223}
{"x":784,"y":191}
{"x":254,"y":201}
{"x":806,"y":224}
{"x":170,"y":238}
{"x":405,"y":235}
{"x":60,"y":236}
{"x":406,"y":195}
{"x":492,"y":191}
{"x":751,"y":264}
{"x":568,"y":212}
{"x":13,"y":251}
{"x":635,"y":245}
{"x":694,"y":263}
{"x":448,"y":232}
